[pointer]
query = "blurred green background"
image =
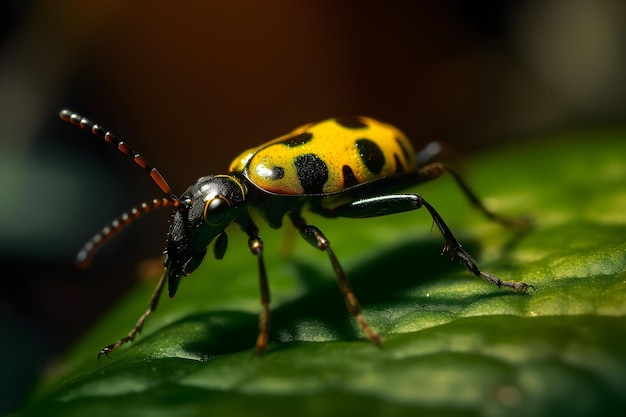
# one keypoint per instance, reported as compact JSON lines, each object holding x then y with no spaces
{"x":191,"y":85}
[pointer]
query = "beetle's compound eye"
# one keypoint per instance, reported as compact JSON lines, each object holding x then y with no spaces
{"x":216,"y":210}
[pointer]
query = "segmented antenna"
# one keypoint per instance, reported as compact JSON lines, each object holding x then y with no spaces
{"x":83,"y":259}
{"x":96,"y":129}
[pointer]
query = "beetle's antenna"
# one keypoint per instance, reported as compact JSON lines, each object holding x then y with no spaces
{"x":83,"y":259}
{"x":96,"y":129}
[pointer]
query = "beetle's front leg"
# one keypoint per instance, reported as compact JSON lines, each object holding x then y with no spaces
{"x":256,"y":248}
{"x":152,"y":305}
{"x":397,"y":203}
{"x":316,"y":238}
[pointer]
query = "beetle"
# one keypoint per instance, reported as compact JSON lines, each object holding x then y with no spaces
{"x":350,"y":167}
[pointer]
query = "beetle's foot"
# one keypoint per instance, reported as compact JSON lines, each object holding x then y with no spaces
{"x":522,"y":287}
{"x":518,"y":224}
{"x":110,"y":348}
{"x":106,"y":350}
{"x":371,"y":334}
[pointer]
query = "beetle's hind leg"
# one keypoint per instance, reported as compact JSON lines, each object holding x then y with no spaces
{"x":436,"y":169}
{"x":465,"y":258}
{"x":316,"y":238}
{"x":398,"y":203}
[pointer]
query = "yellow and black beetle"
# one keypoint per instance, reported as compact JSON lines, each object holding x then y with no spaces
{"x":342,"y":167}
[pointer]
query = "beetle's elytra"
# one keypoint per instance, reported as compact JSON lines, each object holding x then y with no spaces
{"x":342,"y":167}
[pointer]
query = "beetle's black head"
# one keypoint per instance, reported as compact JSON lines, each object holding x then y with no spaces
{"x":206,"y":209}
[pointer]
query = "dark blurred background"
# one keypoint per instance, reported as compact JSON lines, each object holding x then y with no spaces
{"x":190,"y":85}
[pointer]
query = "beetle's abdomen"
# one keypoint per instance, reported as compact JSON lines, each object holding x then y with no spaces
{"x":327,"y":157}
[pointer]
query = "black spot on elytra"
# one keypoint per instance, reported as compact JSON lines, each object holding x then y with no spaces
{"x":399,"y":166}
{"x":351,"y":122}
{"x":298,"y":139}
{"x":405,"y":151}
{"x":312,"y":173}
{"x":349,"y":180}
{"x":371,"y":155}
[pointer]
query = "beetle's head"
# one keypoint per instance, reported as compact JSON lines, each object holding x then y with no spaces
{"x":206,"y":209}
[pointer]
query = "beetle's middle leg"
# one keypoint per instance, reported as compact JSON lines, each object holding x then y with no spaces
{"x":255,"y":244}
{"x":316,"y":238}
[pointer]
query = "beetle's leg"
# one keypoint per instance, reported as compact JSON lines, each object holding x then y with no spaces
{"x":436,"y":169}
{"x":256,"y":248}
{"x":316,"y":238}
{"x":397,"y":203}
{"x":152,"y":305}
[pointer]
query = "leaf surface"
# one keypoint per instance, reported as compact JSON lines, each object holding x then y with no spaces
{"x":454,"y":345}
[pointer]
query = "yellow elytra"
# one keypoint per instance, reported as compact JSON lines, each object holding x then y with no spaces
{"x":327,"y":157}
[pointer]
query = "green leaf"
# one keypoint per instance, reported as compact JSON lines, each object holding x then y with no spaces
{"x":454,"y":345}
